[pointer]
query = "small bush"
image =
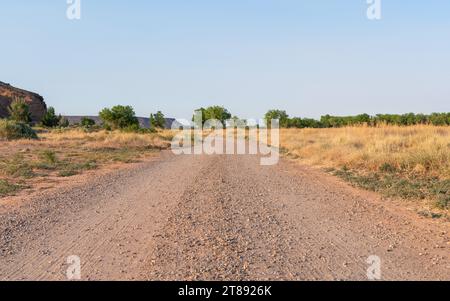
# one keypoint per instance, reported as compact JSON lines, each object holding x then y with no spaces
{"x":19,"y":111}
{"x":134,"y":128}
{"x":17,"y":168}
{"x":87,"y":122}
{"x":50,"y":119}
{"x":48,"y":156}
{"x":6,"y":188}
{"x":12,"y":130}
{"x":67,"y":173}
{"x":443,"y":202}
{"x":72,"y":169}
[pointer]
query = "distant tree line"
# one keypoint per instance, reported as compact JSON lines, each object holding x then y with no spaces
{"x":124,"y":118}
{"x":328,"y":121}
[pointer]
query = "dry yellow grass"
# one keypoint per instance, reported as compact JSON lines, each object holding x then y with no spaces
{"x":103,"y":139}
{"x":64,"y":153}
{"x":422,"y":150}
{"x":409,"y":162}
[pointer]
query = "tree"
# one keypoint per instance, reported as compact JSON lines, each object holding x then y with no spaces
{"x":151,"y":122}
{"x":87,"y":122}
{"x":363,"y":118}
{"x":214,"y":112}
{"x":202,"y":113}
{"x":282,"y":116}
{"x":157,"y":120}
{"x":217,"y":112}
{"x":50,"y":119}
{"x":296,"y":123}
{"x":13,"y":130}
{"x":119,"y":117}
{"x":328,"y":121}
{"x":19,"y":111}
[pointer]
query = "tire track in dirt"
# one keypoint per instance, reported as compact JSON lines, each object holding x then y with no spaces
{"x":108,"y":223}
{"x":242,"y":221}
{"x":218,"y":218}
{"x":220,"y":231}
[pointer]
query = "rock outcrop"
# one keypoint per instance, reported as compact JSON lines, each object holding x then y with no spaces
{"x":36,"y":102}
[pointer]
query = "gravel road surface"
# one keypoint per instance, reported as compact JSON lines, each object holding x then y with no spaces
{"x":217,"y":218}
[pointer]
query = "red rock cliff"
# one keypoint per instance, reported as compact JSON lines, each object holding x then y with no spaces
{"x":36,"y":102}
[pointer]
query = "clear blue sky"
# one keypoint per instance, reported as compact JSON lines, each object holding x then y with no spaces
{"x":307,"y":57}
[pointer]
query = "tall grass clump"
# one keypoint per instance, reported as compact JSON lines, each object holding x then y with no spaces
{"x":415,"y":150}
{"x":411,"y":162}
{"x":12,"y":130}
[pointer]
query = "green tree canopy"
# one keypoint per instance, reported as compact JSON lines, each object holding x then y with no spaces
{"x":119,"y":117}
{"x":50,"y":119}
{"x":157,"y":120}
{"x":87,"y":122}
{"x":280,"y":115}
{"x":215,"y":112}
{"x":19,"y":111}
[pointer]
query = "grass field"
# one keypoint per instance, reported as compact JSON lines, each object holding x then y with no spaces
{"x":408,"y":162}
{"x":64,"y":153}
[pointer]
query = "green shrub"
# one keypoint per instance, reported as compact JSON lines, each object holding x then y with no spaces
{"x":19,"y":111}
{"x":443,"y":202}
{"x":12,"y":130}
{"x":157,"y":120}
{"x":17,"y":167}
{"x":48,"y":156}
{"x":72,"y":169}
{"x":87,"y":122}
{"x":119,"y":117}
{"x":50,"y":119}
{"x":6,"y":188}
{"x":135,"y":128}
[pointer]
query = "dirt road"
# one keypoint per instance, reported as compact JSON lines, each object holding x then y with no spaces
{"x":215,"y":218}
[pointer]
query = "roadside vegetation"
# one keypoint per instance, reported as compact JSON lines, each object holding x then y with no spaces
{"x":409,"y":162}
{"x":51,"y":120}
{"x":62,"y":153}
{"x":119,"y":118}
{"x":405,"y":156}
{"x":157,"y":121}
{"x":328,"y":121}
{"x":11,"y":130}
{"x":18,"y":126}
{"x":32,"y":153}
{"x":212,"y":113}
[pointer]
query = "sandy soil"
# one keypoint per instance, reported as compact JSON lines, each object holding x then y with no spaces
{"x":217,"y":218}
